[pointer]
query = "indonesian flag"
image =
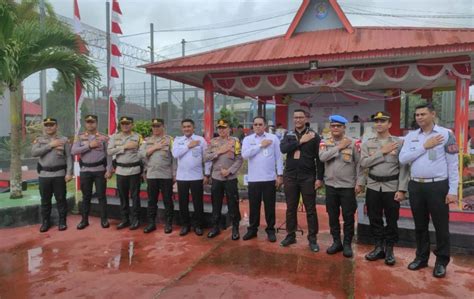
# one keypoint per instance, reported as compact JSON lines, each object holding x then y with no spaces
{"x":78,"y":88}
{"x":114,"y":63}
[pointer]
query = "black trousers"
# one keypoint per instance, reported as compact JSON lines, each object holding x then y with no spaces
{"x":337,"y":199}
{"x":88,"y":179}
{"x":259,"y":191}
{"x":428,"y":199}
{"x":379,"y":204}
{"x":231,"y":191}
{"x":293,"y":189}
{"x":48,"y":187}
{"x":197,"y":190}
{"x":129,"y":187}
{"x":155,"y":186}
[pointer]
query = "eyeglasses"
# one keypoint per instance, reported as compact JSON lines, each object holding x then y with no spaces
{"x":90,"y":122}
{"x":336,"y":126}
{"x":49,"y":125}
{"x":257,"y":125}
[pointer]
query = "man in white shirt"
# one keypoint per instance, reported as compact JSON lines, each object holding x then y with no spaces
{"x":189,"y":151}
{"x":265,"y":174}
{"x":432,"y":153}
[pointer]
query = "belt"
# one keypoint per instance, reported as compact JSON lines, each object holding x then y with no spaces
{"x":134,"y":164}
{"x":428,"y":180}
{"x":101,"y":162}
{"x":383,"y":179}
{"x":40,"y":167}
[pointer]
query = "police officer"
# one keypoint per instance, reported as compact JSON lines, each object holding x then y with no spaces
{"x":432,"y":154}
{"x":340,"y":155}
{"x":55,"y":170}
{"x":387,"y":184}
{"x":224,"y":153}
{"x":96,"y":168}
{"x":303,"y":174}
{"x":125,"y":146}
{"x":265,"y":170}
{"x":191,"y":174}
{"x":160,"y":173}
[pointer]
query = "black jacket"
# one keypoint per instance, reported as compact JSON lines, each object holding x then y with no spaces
{"x":308,"y":165}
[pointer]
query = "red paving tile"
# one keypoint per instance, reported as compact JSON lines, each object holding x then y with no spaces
{"x":97,"y":263}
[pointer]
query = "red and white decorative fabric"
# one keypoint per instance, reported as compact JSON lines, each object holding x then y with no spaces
{"x":277,"y":82}
{"x":115,"y":55}
{"x":251,"y":82}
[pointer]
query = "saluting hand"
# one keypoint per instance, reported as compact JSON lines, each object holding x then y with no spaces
{"x":433,"y":141}
{"x":345,"y":142}
{"x":307,"y":137}
{"x":130,"y":145}
{"x":389,"y":147}
{"x":266,"y":142}
{"x":193,"y":143}
{"x":94,"y":144}
{"x":57,"y":143}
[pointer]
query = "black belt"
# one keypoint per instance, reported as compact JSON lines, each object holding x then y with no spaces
{"x":95,"y":164}
{"x":383,"y":179}
{"x":134,"y":164}
{"x":40,"y":167}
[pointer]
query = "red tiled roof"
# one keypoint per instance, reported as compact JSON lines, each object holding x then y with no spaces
{"x":325,"y":45}
{"x":30,"y":108}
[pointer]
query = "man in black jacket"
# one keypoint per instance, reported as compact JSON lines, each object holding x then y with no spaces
{"x":303,"y":175}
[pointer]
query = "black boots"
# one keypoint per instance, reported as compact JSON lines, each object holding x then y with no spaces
{"x":376,"y":254}
{"x":389,"y":256}
{"x":45,"y":226}
{"x":335,"y":247}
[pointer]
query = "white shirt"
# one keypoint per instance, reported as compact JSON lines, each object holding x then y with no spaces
{"x":264,"y":163}
{"x":190,"y":160}
{"x":432,"y":163}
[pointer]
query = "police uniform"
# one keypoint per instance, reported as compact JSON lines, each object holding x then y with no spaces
{"x":189,"y":177}
{"x":434,"y":174}
{"x":128,"y":171}
{"x":160,"y":168}
{"x":53,"y":165}
{"x":94,"y":163}
{"x":385,"y":177}
{"x":341,"y":174}
{"x":302,"y":168}
{"x":232,"y":161}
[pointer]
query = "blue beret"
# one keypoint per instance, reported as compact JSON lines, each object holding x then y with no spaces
{"x":338,"y":119}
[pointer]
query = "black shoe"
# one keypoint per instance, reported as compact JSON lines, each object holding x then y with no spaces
{"x":235,"y":232}
{"x":335,"y":247}
{"x":104,"y":223}
{"x":123,"y":224}
{"x":439,"y":271}
{"x":375,"y":254}
{"x":417,"y":265}
{"x":45,"y":226}
{"x":149,"y":228}
{"x":168,"y":228}
{"x":389,"y":256}
{"x":213,"y":233}
{"x":313,"y":246}
{"x":287,"y":241}
{"x":184,"y":231}
{"x":135,"y":225}
{"x":83,"y":224}
{"x":62,"y":226}
{"x":198,"y":231}
{"x":249,"y":235}
{"x":271,"y":237}
{"x":347,"y":250}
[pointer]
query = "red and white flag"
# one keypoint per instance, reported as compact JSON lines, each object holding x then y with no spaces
{"x":78,"y":88}
{"x":114,"y":63}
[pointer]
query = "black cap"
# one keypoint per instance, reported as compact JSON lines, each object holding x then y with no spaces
{"x":382,"y":115}
{"x":49,"y":120}
{"x":222,"y":123}
{"x":156,"y":121}
{"x":126,"y":119}
{"x":90,"y":117}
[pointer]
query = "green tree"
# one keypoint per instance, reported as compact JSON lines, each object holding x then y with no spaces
{"x":27,"y":47}
{"x":229,"y":115}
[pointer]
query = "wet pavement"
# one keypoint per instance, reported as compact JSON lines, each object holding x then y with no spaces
{"x":106,"y":263}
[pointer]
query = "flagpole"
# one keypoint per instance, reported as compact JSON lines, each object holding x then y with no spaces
{"x":107,"y":14}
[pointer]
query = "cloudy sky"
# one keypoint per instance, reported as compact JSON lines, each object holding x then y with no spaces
{"x":218,"y":18}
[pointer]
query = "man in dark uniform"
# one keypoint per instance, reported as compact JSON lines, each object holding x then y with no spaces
{"x":96,"y":168}
{"x":343,"y":181}
{"x":432,"y":152}
{"x":303,"y":174}
{"x":224,"y":153}
{"x":55,"y":170}
{"x":125,"y":146}
{"x":160,"y":173}
{"x":387,"y":184}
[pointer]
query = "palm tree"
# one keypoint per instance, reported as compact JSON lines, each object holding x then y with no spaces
{"x":26,"y":47}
